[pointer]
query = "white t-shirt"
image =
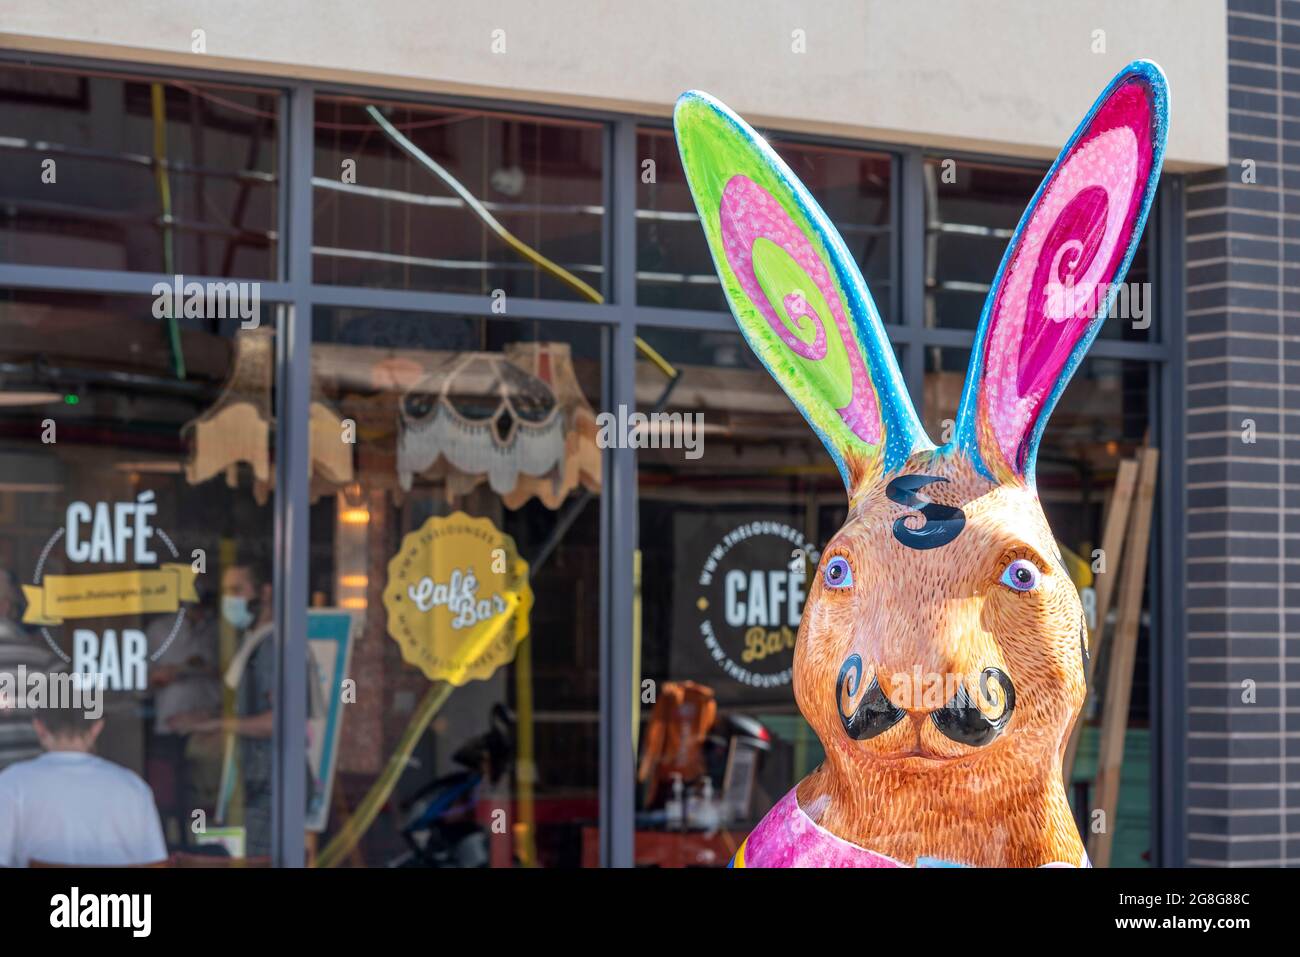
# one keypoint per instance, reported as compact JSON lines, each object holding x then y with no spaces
{"x":69,"y":807}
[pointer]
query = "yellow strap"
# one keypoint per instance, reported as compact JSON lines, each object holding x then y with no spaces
{"x":739,"y":859}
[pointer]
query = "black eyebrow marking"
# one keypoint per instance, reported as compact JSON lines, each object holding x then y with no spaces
{"x":943,"y":523}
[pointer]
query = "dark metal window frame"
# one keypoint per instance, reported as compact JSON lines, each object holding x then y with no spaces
{"x":293,"y":294}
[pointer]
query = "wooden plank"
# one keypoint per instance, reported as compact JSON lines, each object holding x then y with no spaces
{"x":1112,"y":544}
{"x":1123,"y":651}
{"x":1114,"y":527}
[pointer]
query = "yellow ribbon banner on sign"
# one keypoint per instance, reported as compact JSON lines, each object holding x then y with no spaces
{"x":109,"y":594}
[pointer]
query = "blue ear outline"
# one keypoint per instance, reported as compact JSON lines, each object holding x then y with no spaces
{"x":964,"y":438}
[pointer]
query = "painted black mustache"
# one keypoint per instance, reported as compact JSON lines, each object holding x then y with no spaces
{"x":875,"y":713}
{"x":959,"y":720}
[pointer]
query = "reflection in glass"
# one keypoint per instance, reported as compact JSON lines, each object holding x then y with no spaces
{"x":137,"y":515}
{"x":460,"y":551}
{"x":106,"y":171}
{"x":418,"y":197}
{"x":722,"y":740}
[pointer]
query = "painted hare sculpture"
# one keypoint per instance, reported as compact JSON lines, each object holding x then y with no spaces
{"x":941,"y":654}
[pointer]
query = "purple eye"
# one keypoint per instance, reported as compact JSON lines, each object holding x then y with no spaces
{"x":1022,"y":575}
{"x":838,"y":574}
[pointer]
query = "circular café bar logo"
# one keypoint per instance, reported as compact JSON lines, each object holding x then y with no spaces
{"x":458,"y":598}
{"x":120,"y":536}
{"x":751,"y":594}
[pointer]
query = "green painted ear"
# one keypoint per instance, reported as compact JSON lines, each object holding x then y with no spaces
{"x":796,"y":293}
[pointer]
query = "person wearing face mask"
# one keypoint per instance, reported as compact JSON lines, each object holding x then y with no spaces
{"x":246,"y":605}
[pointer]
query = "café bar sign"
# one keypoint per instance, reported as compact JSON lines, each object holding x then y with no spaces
{"x":743,"y":605}
{"x":118,"y":535}
{"x":458,"y":598}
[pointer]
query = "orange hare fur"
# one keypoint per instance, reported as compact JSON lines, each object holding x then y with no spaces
{"x":911,"y":791}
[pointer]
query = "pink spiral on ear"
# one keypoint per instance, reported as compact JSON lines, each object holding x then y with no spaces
{"x":748,"y":213}
{"x":1057,"y":277}
{"x":1061,"y":290}
{"x":796,"y":306}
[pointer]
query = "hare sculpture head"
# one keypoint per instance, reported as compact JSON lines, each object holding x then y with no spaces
{"x":941,"y":655}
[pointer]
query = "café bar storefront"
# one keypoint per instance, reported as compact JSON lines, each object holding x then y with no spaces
{"x":320,"y":338}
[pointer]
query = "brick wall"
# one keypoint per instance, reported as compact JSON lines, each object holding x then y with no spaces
{"x":1243,"y":498}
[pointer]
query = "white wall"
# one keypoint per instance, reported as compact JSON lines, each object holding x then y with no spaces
{"x":1007,"y":76}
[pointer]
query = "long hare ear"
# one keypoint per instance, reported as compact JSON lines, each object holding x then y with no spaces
{"x":796,"y":293}
{"x":1061,"y":272}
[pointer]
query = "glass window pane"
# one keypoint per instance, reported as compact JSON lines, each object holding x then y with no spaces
{"x":674,"y":268}
{"x":488,"y":193}
{"x":1134,"y":310}
{"x":455,"y":575}
{"x":135,"y":547}
{"x":1102,"y":419}
{"x":972,"y":210}
{"x":105,"y":171}
{"x":723,"y":740}
{"x":968,"y":224}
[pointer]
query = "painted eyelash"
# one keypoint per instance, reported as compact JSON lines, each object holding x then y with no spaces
{"x":1018,"y":552}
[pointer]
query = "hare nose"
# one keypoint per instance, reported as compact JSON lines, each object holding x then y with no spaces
{"x":962,"y":721}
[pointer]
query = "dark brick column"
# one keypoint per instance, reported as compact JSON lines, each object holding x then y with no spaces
{"x":1243,"y":497}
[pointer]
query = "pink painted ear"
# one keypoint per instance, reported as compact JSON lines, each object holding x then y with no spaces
{"x":1061,"y":272}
